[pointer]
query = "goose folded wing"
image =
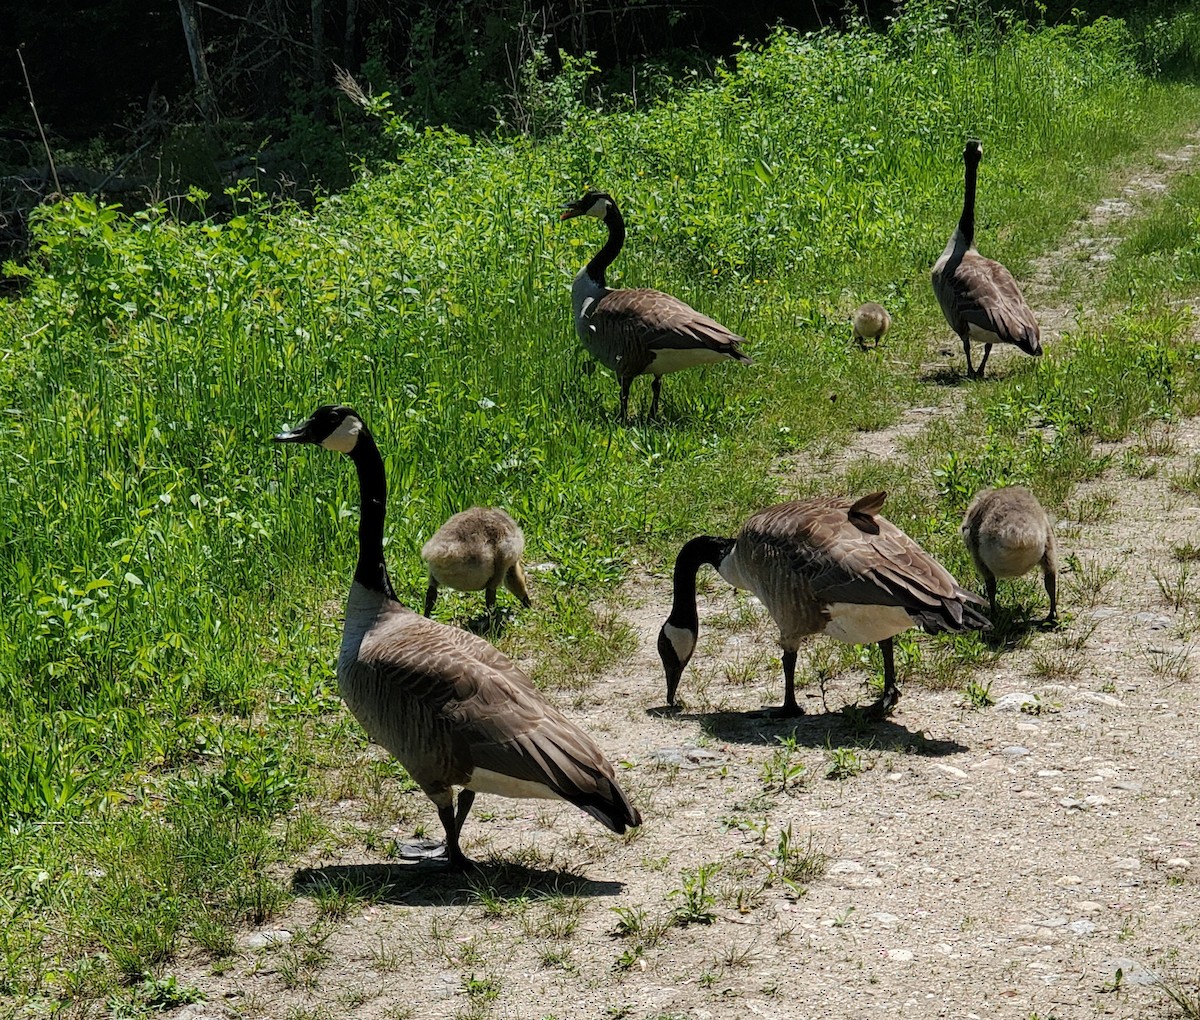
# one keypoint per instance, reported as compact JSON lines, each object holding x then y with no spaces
{"x":988,"y":297}
{"x":498,"y":718}
{"x":666,"y":323}
{"x":846,"y":564}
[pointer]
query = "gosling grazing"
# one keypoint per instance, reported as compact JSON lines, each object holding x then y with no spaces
{"x":639,"y":331}
{"x":476,"y":550}
{"x":871,"y":322}
{"x":1008,"y":533}
{"x":454,"y":710}
{"x":822,"y":566}
{"x":979,"y":297}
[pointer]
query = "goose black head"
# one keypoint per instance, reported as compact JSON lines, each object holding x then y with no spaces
{"x":332,"y":426}
{"x":675,"y":648}
{"x":593,"y":203}
{"x":973,"y":153}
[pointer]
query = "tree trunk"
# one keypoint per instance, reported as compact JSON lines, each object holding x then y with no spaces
{"x":350,"y":39}
{"x":195,"y":46}
{"x":318,"y":42}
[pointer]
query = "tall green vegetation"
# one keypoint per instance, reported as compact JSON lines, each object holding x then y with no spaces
{"x":165,"y":660}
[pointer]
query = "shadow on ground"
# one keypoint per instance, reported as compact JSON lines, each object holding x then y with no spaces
{"x":848,"y":728}
{"x":430,"y":882}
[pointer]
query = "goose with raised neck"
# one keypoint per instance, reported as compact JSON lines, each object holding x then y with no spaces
{"x":978,"y":296}
{"x":455,"y":711}
{"x":639,"y":331}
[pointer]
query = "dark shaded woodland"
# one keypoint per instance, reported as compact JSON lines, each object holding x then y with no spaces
{"x":147,"y":98}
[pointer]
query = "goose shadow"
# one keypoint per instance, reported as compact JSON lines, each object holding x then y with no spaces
{"x":430,"y":882}
{"x":490,"y":626}
{"x":943,"y":375}
{"x":1011,"y":628}
{"x":848,"y":728}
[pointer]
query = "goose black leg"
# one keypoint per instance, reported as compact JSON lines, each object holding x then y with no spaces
{"x":625,"y":383}
{"x":987,"y":349}
{"x":1051,"y":588}
{"x":989,"y":584}
{"x":790,"y":708}
{"x":431,"y":594}
{"x":891,"y":693}
{"x":967,"y":352}
{"x":452,"y":823}
{"x":655,"y":388}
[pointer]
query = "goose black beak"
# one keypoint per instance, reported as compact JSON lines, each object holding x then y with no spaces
{"x":570,"y":212}
{"x":297,"y":435}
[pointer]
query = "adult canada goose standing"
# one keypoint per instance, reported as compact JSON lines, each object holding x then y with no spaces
{"x":1008,"y":533}
{"x":871,"y":322}
{"x":476,"y":549}
{"x":638,"y":331}
{"x":822,"y":566}
{"x":454,"y":710}
{"x":979,"y":297}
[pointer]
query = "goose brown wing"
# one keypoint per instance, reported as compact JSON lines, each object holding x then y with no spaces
{"x":987,"y":296}
{"x":663,"y":322}
{"x":843,"y":561}
{"x":496,"y":718}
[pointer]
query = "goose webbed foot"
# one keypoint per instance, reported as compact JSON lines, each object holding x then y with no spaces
{"x":882,"y":708}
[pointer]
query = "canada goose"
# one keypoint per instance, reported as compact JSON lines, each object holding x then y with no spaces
{"x":822,"y":566}
{"x":638,"y":331}
{"x":448,"y":705}
{"x":477,"y":549}
{"x":871,"y":322}
{"x":979,"y":297}
{"x":1008,"y":533}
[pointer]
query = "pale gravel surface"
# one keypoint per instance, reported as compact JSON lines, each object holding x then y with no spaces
{"x":995,"y":863}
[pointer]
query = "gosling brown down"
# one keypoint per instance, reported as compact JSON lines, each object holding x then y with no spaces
{"x":1008,"y":533}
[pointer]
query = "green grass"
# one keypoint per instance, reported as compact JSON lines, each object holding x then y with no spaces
{"x":169,"y":630}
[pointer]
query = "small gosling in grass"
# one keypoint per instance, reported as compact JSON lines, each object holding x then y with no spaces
{"x":476,"y":550}
{"x":1008,"y":533}
{"x":871,"y":322}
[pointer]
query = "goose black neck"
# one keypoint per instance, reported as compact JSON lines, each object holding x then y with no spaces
{"x":616,"y":237}
{"x":966,"y":222}
{"x":371,"y":571}
{"x":694,"y":554}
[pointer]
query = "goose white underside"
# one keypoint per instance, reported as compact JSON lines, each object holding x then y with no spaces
{"x":858,"y":624}
{"x":980,"y":335}
{"x":672,"y":360}
{"x":486,"y":781}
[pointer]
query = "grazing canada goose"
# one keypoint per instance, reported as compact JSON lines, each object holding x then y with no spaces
{"x":477,"y":549}
{"x":871,"y":322}
{"x":822,"y":566}
{"x":979,"y":297}
{"x":1008,"y":533}
{"x":638,"y":331}
{"x":448,"y":705}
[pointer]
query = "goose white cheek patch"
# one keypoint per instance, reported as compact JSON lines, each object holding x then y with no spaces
{"x":598,"y":208}
{"x":344,"y":438}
